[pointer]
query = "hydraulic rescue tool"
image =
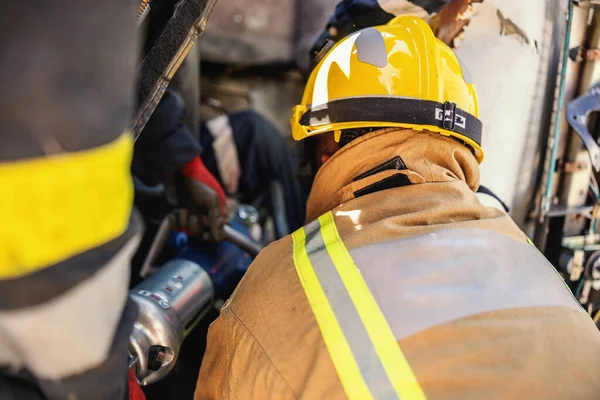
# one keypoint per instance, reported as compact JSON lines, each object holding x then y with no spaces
{"x":174,"y":297}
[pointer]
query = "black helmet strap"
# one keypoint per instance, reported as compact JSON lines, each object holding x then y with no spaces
{"x":395,"y":110}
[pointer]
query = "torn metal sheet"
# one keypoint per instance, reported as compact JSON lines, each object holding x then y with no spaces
{"x":509,"y":77}
{"x":450,"y":22}
{"x":166,"y":55}
{"x":508,"y":27}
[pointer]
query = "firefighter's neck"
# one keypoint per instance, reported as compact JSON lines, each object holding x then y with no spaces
{"x":421,"y":157}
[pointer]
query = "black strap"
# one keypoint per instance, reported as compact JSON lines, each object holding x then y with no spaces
{"x":165,"y":56}
{"x":394,"y":163}
{"x":484,"y":190}
{"x":395,"y":110}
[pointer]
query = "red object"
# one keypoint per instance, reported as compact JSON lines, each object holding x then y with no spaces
{"x":196,"y":169}
{"x":135,"y":391}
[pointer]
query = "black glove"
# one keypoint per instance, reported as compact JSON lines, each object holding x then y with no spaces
{"x":203,"y":214}
{"x":205,"y":200}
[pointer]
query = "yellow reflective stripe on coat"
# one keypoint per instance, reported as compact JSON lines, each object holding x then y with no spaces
{"x":55,"y":207}
{"x":349,"y":318}
{"x":333,"y":336}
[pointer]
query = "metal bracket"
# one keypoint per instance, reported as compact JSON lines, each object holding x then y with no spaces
{"x":584,"y":242}
{"x":577,"y":268}
{"x":562,"y":211}
{"x":578,"y":111}
{"x":580,"y":54}
{"x":571,"y":167}
{"x":449,"y":116}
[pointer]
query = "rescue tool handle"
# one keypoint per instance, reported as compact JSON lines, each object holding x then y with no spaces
{"x":242,"y":241}
{"x":166,"y":226}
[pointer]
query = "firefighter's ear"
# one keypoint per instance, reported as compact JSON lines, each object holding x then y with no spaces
{"x":326,"y":147}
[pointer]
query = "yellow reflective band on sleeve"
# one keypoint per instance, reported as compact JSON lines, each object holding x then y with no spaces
{"x":55,"y":207}
{"x":394,"y":362}
{"x":337,"y":346}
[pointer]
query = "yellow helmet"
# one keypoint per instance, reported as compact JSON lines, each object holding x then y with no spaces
{"x":395,"y":75}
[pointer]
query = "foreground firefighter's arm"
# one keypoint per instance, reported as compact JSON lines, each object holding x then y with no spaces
{"x":66,"y":234}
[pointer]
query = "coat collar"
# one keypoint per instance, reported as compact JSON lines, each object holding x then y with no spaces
{"x":364,"y":164}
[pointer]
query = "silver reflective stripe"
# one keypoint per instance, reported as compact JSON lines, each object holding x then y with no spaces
{"x":348,"y":318}
{"x":427,"y":280}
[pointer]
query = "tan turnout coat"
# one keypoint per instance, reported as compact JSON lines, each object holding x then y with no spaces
{"x":476,"y":310}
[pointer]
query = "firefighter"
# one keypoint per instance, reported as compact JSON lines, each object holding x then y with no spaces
{"x":238,"y":154}
{"x":402,"y":285}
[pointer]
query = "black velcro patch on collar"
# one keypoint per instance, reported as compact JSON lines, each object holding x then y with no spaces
{"x":395,"y":163}
{"x":390,"y":182}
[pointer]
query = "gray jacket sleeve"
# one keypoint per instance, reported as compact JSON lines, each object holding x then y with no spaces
{"x":166,"y":144}
{"x":67,"y":79}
